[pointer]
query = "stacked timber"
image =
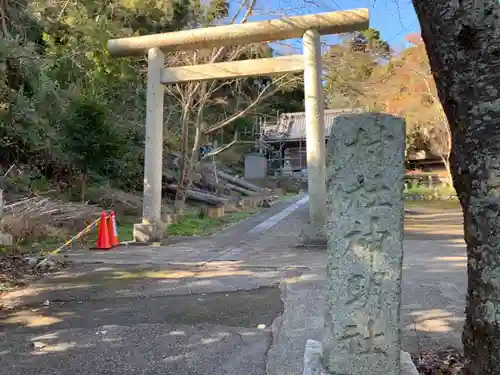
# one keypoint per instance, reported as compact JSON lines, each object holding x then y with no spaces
{"x":216,"y":187}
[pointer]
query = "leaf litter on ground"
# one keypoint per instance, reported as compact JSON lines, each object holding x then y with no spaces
{"x":444,"y":362}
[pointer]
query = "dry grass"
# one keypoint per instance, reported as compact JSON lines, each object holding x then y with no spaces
{"x":37,"y":219}
{"x":121,"y":202}
{"x":35,"y":223}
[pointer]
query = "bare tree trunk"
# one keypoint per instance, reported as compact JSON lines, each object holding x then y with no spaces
{"x":446,"y":163}
{"x":187,"y":163}
{"x":462,"y":39}
{"x":243,"y":190}
{"x":239,"y":182}
{"x":181,"y":194}
{"x":198,"y":195}
{"x":445,"y":141}
{"x":446,"y":160}
{"x":1,"y":205}
{"x":83,"y":186}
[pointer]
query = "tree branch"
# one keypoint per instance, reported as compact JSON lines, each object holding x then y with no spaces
{"x":218,"y":150}
{"x":259,"y":98}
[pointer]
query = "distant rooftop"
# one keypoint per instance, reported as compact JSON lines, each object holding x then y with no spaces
{"x":292,"y":126}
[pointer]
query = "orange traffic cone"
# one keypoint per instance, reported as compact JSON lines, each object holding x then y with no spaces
{"x":103,"y":236}
{"x":113,"y":230}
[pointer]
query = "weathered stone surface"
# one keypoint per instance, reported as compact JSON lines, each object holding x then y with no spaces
{"x":312,"y":237}
{"x":5,"y":239}
{"x":313,"y":355}
{"x":364,"y":232}
{"x":213,"y":212}
{"x":171,"y":218}
{"x":407,"y":365}
{"x":145,"y":233}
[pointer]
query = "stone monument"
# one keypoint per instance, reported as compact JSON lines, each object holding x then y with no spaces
{"x":365,"y":169}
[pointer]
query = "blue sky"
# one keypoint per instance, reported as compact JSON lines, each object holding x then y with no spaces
{"x":394,"y":18}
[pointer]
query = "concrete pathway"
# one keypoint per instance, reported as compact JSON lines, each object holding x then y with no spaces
{"x":241,"y":302}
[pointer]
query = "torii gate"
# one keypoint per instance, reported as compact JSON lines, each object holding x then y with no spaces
{"x":309,"y":27}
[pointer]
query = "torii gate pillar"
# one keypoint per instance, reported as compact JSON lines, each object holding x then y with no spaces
{"x":152,"y":226}
{"x":314,"y":232}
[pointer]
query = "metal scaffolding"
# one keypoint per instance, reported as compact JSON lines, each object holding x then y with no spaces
{"x":272,"y":142}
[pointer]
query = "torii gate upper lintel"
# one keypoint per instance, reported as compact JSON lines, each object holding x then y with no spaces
{"x":309,"y":27}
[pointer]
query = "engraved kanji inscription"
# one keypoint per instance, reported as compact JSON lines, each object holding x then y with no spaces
{"x":355,"y":288}
{"x":367,"y":291}
{"x":374,"y":293}
{"x":363,"y":340}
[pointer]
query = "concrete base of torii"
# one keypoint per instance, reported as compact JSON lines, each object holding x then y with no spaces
{"x":311,"y":237}
{"x":147,"y":233}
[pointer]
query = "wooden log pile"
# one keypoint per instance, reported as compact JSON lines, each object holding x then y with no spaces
{"x":213,"y":186}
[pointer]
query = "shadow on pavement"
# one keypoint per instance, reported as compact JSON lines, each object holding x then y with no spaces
{"x":191,"y":334}
{"x":200,"y":315}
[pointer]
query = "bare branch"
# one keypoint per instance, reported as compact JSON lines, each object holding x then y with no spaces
{"x":219,"y":150}
{"x":259,"y":98}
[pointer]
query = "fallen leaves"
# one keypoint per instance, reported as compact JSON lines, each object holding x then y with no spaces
{"x":16,"y":270}
{"x":444,"y":362}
